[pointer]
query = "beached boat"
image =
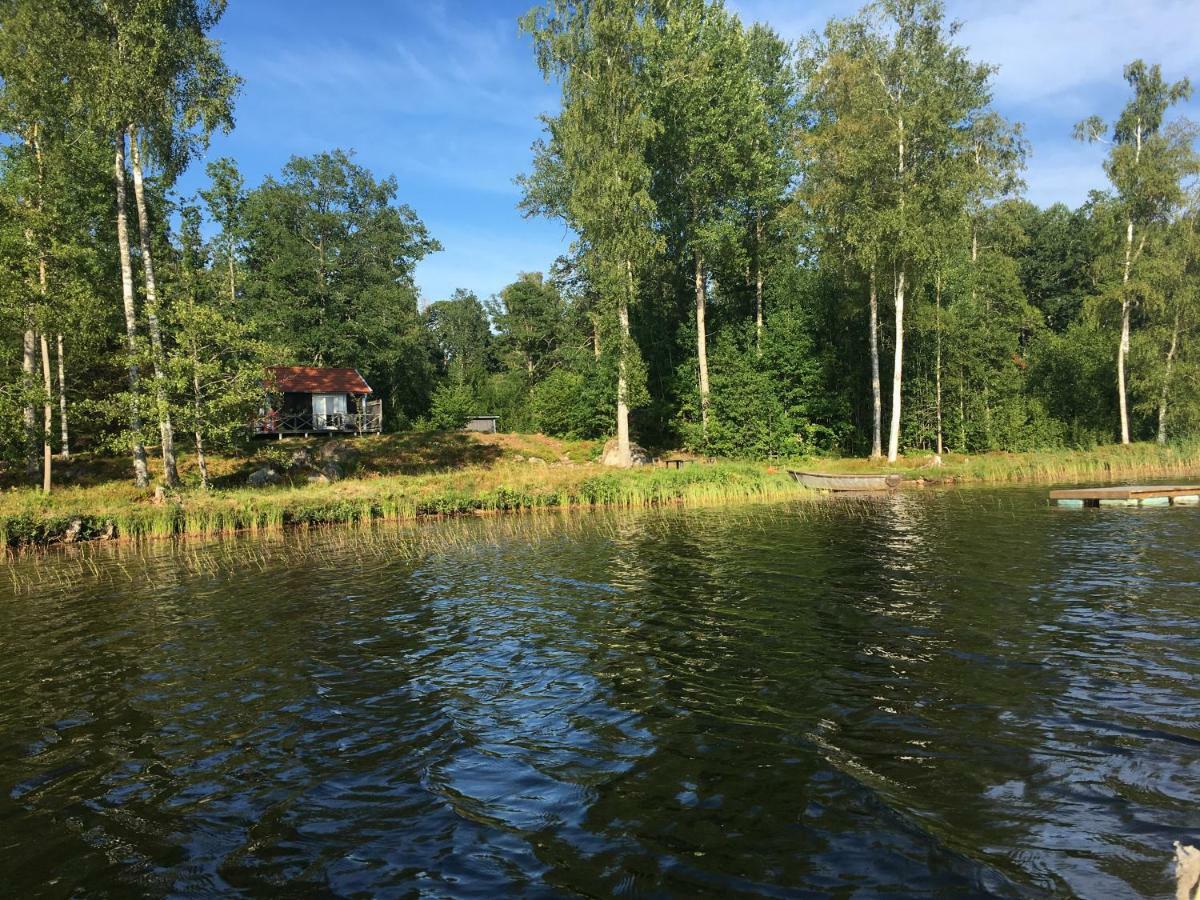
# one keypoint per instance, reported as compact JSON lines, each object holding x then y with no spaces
{"x":823,"y":481}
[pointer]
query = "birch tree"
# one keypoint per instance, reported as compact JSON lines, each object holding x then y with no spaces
{"x":226,"y":202}
{"x":705,"y":99}
{"x":592,"y":170}
{"x":771,"y":165}
{"x":907,"y":94}
{"x":1145,"y":165}
{"x":158,"y":80}
{"x":846,"y":166}
{"x":219,"y":362}
{"x":39,"y":50}
{"x":1169,"y":293}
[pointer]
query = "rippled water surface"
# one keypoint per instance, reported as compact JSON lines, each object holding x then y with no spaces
{"x":949,"y":693}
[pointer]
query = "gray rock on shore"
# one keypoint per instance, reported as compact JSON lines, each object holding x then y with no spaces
{"x":638,"y":456}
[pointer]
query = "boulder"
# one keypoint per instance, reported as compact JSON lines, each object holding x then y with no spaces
{"x":637,"y":455}
{"x":331,"y":470}
{"x":536,"y":461}
{"x":301,"y":459}
{"x":342,"y":453}
{"x":264,"y":476}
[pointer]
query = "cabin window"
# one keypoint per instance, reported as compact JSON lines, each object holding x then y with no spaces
{"x":329,"y":410}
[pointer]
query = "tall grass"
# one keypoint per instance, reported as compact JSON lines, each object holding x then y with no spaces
{"x":120,"y":512}
{"x":1100,"y":463}
{"x":117,"y":510}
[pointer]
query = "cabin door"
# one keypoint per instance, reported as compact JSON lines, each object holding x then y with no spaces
{"x":329,"y":411}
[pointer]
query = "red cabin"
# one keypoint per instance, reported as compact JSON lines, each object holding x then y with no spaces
{"x":318,"y":400}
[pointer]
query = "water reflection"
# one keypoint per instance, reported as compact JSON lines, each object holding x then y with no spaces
{"x":961,"y":692}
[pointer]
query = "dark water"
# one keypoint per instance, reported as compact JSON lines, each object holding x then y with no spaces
{"x":958,"y":694}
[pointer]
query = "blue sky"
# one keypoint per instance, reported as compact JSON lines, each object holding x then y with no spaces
{"x":444,"y":94}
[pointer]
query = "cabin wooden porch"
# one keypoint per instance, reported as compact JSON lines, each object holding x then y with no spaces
{"x":368,"y":419}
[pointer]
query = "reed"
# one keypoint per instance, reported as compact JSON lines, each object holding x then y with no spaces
{"x":28,"y":519}
{"x":117,"y":510}
{"x":1107,"y":463}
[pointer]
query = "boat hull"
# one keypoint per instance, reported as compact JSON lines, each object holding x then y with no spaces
{"x":827,"y":482}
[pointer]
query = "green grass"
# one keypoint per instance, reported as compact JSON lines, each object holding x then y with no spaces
{"x":1143,"y":460}
{"x":408,"y":477}
{"x":120,"y":511}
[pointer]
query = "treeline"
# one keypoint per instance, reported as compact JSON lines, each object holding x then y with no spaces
{"x":781,"y":249}
{"x":796,"y":245}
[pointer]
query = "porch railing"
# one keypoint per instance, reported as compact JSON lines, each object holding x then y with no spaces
{"x":368,"y":421}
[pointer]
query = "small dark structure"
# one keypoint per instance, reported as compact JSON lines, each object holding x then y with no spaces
{"x":482,"y":424}
{"x":318,"y":400}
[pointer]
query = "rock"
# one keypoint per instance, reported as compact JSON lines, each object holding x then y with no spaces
{"x":637,"y":455}
{"x":71,"y":535}
{"x":536,"y":461}
{"x":318,"y":478}
{"x":339,"y":452}
{"x":517,"y":457}
{"x":301,"y":459}
{"x":331,"y":470}
{"x":264,"y":476}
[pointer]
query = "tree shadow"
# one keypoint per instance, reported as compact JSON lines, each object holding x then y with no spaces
{"x":420,"y":453}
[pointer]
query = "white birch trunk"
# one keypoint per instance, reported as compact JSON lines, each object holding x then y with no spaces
{"x":898,"y":362}
{"x":198,"y":401}
{"x":897,"y":370}
{"x":702,"y":343}
{"x":623,"y":451}
{"x":938,"y":361}
{"x":1126,"y":305}
{"x":1123,"y":347}
{"x":141,"y":474}
{"x":758,"y":283}
{"x":65,"y":452}
{"x":876,"y":389}
{"x":28,"y":411}
{"x":1166,"y":386}
{"x":157,"y":355}
{"x":47,"y":404}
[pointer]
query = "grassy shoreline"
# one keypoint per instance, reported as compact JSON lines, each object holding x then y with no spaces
{"x":91,"y":513}
{"x":509,"y":481}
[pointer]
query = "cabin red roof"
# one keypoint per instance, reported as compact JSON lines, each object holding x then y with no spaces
{"x":318,"y":380}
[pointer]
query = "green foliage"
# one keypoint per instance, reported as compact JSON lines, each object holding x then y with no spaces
{"x":329,"y":266}
{"x":673,"y":159}
{"x":453,"y":403}
{"x":460,"y":331}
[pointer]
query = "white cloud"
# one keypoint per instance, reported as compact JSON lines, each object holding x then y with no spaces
{"x":1065,"y":50}
{"x":1058,"y":61}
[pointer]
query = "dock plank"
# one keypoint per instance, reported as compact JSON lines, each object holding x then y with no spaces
{"x":1134,"y":492}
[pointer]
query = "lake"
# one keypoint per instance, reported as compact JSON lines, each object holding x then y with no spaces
{"x":964,"y":692}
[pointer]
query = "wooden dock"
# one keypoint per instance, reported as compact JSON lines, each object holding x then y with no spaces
{"x":1130,"y":495}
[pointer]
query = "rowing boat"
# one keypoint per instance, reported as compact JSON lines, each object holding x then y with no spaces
{"x":823,"y":481}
